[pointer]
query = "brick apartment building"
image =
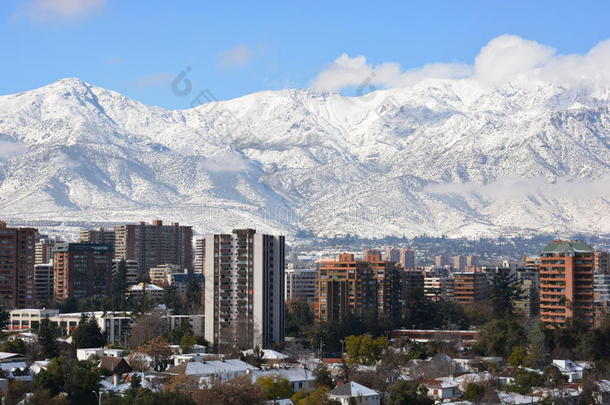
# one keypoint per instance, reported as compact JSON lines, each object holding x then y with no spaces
{"x":154,"y":244}
{"x":81,"y":270}
{"x":469,"y":287}
{"x":348,"y":286}
{"x":17,"y":266}
{"x":566,"y":283}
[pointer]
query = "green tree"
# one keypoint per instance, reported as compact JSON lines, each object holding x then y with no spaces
{"x":172,"y":300}
{"x":119,"y":288}
{"x":299,"y":318}
{"x":517,"y":356}
{"x":47,"y":338}
{"x":419,"y":351}
{"x":187,"y":342}
{"x":275,"y":387}
{"x":317,"y":397}
{"x":78,"y":379}
{"x":14,"y":346}
{"x":499,"y":337}
{"x":88,"y":334}
{"x":322,"y":376}
{"x":524,"y":381}
{"x":4,"y":317}
{"x":194,"y":295}
{"x":504,"y":290}
{"x":365,"y":349}
{"x":474,"y":392}
{"x":408,"y":393}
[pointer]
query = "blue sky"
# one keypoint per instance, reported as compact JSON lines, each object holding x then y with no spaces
{"x":136,"y":47}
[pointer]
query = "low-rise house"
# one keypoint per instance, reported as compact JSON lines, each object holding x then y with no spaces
{"x":572,"y":369}
{"x":512,"y":398}
{"x":269,"y":356}
{"x":151,"y":291}
{"x":117,"y":366}
{"x":223,"y":370}
{"x":86,"y":354}
{"x":300,"y":378}
{"x":442,"y":389}
{"x":11,"y":357}
{"x":354,"y":393}
{"x":437,"y":366}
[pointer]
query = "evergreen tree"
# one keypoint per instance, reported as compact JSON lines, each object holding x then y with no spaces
{"x":47,"y":335}
{"x":88,"y":334}
{"x":119,"y":287}
{"x":505,"y":289}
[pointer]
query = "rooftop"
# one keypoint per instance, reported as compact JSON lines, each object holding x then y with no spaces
{"x":353,"y":389}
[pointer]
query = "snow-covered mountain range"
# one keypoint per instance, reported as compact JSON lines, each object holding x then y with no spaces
{"x":442,"y":157}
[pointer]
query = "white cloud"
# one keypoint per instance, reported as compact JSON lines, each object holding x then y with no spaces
{"x":508,"y":56}
{"x":505,"y":58}
{"x":154,"y":79}
{"x":356,"y":72}
{"x":49,"y":10}
{"x":237,"y":56}
{"x":11,"y":149}
{"x":518,"y":188}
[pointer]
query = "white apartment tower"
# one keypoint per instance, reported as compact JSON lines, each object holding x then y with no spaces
{"x":244,"y":289}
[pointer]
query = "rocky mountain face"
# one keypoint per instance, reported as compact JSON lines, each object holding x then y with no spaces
{"x":443,"y":157}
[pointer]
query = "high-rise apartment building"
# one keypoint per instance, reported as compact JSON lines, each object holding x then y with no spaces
{"x":388,"y":282}
{"x":472,"y":261}
{"x":566,"y":283}
{"x":244,"y":288}
{"x":391,"y":255}
{"x":441,"y":261}
{"x":459,"y":263}
{"x":469,"y":287}
{"x":407,"y":258}
{"x":43,"y":284}
{"x":410,"y":281}
{"x":601,"y":260}
{"x":133,"y":275}
{"x":300,"y":284}
{"x":99,"y":235}
{"x":198,"y":267}
{"x":81,"y":270}
{"x":43,"y":250}
{"x":154,"y":244}
{"x":438,"y":287}
{"x":347,"y":286}
{"x":17,"y":266}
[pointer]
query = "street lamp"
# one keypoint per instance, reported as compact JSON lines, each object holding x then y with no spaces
{"x":98,"y":397}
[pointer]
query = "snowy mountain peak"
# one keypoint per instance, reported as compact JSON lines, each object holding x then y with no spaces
{"x":442,"y":157}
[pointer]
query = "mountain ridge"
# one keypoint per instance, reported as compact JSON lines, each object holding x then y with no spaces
{"x":442,"y":157}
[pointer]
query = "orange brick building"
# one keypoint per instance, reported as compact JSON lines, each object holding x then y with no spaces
{"x":347,"y":286}
{"x":566,"y":283}
{"x":469,"y":287}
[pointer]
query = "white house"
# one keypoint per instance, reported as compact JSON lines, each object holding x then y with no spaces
{"x":359,"y":393}
{"x":571,"y":369}
{"x":299,"y":377}
{"x":444,"y":388}
{"x":223,"y":370}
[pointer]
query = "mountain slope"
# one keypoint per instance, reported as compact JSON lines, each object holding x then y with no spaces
{"x":442,"y":157}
